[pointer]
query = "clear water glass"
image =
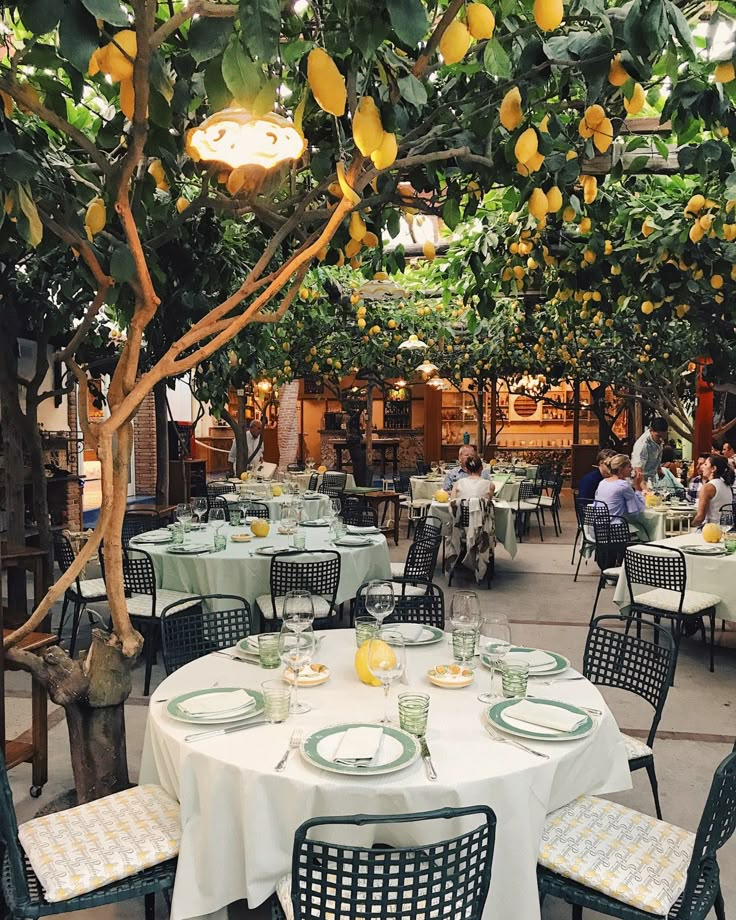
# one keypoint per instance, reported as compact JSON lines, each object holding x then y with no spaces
{"x":335,"y":507}
{"x":379,"y":599}
{"x":298,"y":612}
{"x":216,"y":518}
{"x":465,"y":612}
{"x":365,"y":628}
{"x":514,"y":679}
{"x":386,"y":662}
{"x":184,"y":515}
{"x":268,"y":650}
{"x":413,"y":713}
{"x":726,"y":521}
{"x":296,"y":650}
{"x":276,"y":696}
{"x":494,"y":642}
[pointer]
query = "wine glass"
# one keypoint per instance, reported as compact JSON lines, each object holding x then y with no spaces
{"x":465,"y":613}
{"x":298,"y":612}
{"x":494,"y":642}
{"x":199,"y":508}
{"x":726,"y":520}
{"x":433,"y":467}
{"x":216,"y":517}
{"x":184,"y":516}
{"x":335,"y":507}
{"x":386,"y":662}
{"x":288,"y":519}
{"x":380,"y":600}
{"x":296,"y":650}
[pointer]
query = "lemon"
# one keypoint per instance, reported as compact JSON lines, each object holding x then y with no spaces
{"x":156,"y":170}
{"x":385,"y":154}
{"x":259,"y":527}
{"x":554,"y":200}
{"x":634,"y":105}
{"x":589,"y":256}
{"x":603,"y":135}
{"x":481,"y":21}
{"x":116,"y":58}
{"x":607,"y":247}
{"x":526,"y":145}
{"x":356,"y":227}
{"x":428,"y":250}
{"x":455,"y":42}
{"x":548,"y":14}
{"x":724,"y":72}
{"x":326,"y":82}
{"x":617,"y":74}
{"x":647,"y":307}
{"x":647,"y":227}
{"x":441,"y":496}
{"x":7,"y":104}
{"x":367,"y":128}
{"x":729,"y":232}
{"x":590,"y":188}
{"x":127,"y":100}
{"x":568,"y":215}
{"x":716,"y":282}
{"x":711,"y":533}
{"x":181,"y":204}
{"x":370,"y":240}
{"x":377,"y":653}
{"x":244,"y":477}
{"x":585,"y":225}
{"x":706,"y":221}
{"x":96,"y":217}
{"x":594,"y":115}
{"x":510,"y":112}
{"x":695,"y":205}
{"x":538,"y":204}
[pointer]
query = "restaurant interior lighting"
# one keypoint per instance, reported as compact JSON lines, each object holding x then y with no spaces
{"x":236,"y":138}
{"x":413,"y":342}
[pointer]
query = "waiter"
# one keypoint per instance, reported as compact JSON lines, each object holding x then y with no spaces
{"x":253,"y":447}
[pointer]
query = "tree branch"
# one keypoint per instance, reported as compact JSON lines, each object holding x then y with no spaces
{"x":425,"y":57}
{"x":194,"y":7}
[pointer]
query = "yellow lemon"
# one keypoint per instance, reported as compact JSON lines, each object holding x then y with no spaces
{"x":376,"y":653}
{"x":455,"y":42}
{"x":385,"y":154}
{"x":647,"y":227}
{"x":321,"y":469}
{"x":127,"y":99}
{"x":326,"y":82}
{"x":585,"y":225}
{"x":481,"y":21}
{"x":276,"y":490}
{"x":716,"y":282}
{"x":441,"y":496}
{"x":603,"y":135}
{"x":244,"y":477}
{"x":356,"y":227}
{"x":510,"y":111}
{"x":156,"y":170}
{"x":526,"y":145}
{"x":634,"y":105}
{"x":695,"y":205}
{"x":429,"y":251}
{"x":711,"y":533}
{"x":724,"y":72}
{"x":617,"y":74}
{"x":181,"y":204}
{"x":367,"y":128}
{"x":647,"y":307}
{"x":568,"y":215}
{"x":259,"y":527}
{"x":538,"y":204}
{"x":554,"y":200}
{"x":590,"y":188}
{"x":96,"y":217}
{"x":116,"y":58}
{"x":548,"y":14}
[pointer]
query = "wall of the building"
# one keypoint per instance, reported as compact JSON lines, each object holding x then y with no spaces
{"x":145,"y":447}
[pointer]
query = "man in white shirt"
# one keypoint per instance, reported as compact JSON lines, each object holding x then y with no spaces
{"x":253,"y":447}
{"x":647,"y":453}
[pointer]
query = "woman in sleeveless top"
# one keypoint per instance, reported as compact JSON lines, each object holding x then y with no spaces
{"x":715,"y":494}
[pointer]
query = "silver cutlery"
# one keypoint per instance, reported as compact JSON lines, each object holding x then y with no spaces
{"x":502,"y":739}
{"x":255,"y":661}
{"x":223,"y":731}
{"x":591,"y":712}
{"x":555,"y":680}
{"x":427,"y":758}
{"x":167,"y":698}
{"x":294,"y":742}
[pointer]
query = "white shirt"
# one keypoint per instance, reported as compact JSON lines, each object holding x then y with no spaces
{"x":250,"y":446}
{"x":473,"y":487}
{"x":723,"y":497}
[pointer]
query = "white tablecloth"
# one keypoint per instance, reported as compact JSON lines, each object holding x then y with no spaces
{"x":303,"y":480}
{"x":238,"y":570}
{"x":312,"y":508}
{"x":712,"y":574}
{"x":507,"y":488}
{"x":239,"y":816}
{"x":505,"y":530}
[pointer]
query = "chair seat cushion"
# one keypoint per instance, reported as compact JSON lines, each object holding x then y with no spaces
{"x":93,"y":589}
{"x":401,"y":587}
{"x":627,"y":855}
{"x":84,"y":848}
{"x":635,"y":748}
{"x":547,"y":501}
{"x":527,"y":506}
{"x":397,"y":568}
{"x":139,"y":605}
{"x":321,"y":606}
{"x":613,"y":572}
{"x":663,"y":599}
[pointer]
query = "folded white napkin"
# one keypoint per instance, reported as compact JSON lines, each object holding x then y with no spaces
{"x":153,"y":536}
{"x":214,"y":703}
{"x":546,"y":716}
{"x":536,"y":659}
{"x":358,"y":744}
{"x":411,"y":632}
{"x":354,"y":528}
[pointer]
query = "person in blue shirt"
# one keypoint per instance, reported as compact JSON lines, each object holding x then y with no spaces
{"x":590,"y":482}
{"x":460,"y":472}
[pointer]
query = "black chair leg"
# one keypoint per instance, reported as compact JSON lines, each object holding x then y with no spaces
{"x":62,"y":620}
{"x":601,"y":582}
{"x":539,"y":525}
{"x":712,"y":618}
{"x":153,"y":635}
{"x":655,"y":788}
{"x":577,"y":912}
{"x":719,"y":906}
{"x":150,"y":906}
{"x":580,"y":559}
{"x":76,"y":617}
{"x":575,"y":546}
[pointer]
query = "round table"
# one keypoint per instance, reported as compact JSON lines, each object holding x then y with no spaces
{"x":239,"y":816}
{"x":313,"y":506}
{"x":303,"y":479}
{"x":239,"y":570}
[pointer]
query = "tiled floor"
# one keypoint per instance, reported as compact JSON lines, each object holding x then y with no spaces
{"x":547,"y":609}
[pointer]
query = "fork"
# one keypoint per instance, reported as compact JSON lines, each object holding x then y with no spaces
{"x":502,"y":740}
{"x":294,"y":742}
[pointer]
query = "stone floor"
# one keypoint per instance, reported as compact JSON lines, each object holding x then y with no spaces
{"x":547,"y":609}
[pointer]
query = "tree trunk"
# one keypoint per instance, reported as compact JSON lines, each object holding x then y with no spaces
{"x":162,"y":443}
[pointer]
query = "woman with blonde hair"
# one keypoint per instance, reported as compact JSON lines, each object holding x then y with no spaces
{"x":623,"y":495}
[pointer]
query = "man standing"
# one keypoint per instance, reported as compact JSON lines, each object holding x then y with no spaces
{"x":460,"y":472}
{"x":253,"y":447}
{"x":729,"y":453}
{"x":647,"y":454}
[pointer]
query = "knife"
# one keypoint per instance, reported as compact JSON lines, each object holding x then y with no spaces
{"x":427,"y":758}
{"x":223,"y":731}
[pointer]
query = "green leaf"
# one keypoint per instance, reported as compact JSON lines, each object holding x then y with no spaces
{"x":159,"y":110}
{"x":20,"y":166}
{"x":495,"y":60}
{"x":294,"y":51}
{"x":40,"y":16}
{"x":451,"y":213}
{"x":78,"y":35}
{"x":208,"y":37}
{"x":260,"y":21}
{"x":413,"y":90}
{"x":218,"y":95}
{"x":109,"y":10}
{"x":32,"y":228}
{"x":408,"y":20}
{"x":242,"y":75}
{"x":160,"y":77}
{"x":263,"y":103}
{"x":682,"y":29}
{"x":122,"y":266}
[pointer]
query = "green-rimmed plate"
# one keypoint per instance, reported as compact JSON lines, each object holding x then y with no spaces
{"x":176,"y":712}
{"x":696,"y":550}
{"x":561,"y":663}
{"x":195,"y":549}
{"x":399,"y":750}
{"x":430,"y":635}
{"x":498,"y":715}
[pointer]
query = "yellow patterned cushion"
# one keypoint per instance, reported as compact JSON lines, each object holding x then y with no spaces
{"x":626,"y":855}
{"x":635,"y":747}
{"x":84,"y":848}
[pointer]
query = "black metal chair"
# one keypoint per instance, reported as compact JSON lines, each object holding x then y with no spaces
{"x":464,"y":522}
{"x":416,"y":509}
{"x":618,"y":658}
{"x":585,"y":530}
{"x":85,"y":590}
{"x":611,"y":540}
{"x":702,"y":889}
{"x":422,"y":467}
{"x":255,"y":509}
{"x":427,"y":609}
{"x":217,"y":501}
{"x":349,"y":881}
{"x":333,"y":483}
{"x":23,"y":893}
{"x":662,"y":569}
{"x":294,"y":467}
{"x":356,"y":513}
{"x":146,"y":603}
{"x":527,"y":505}
{"x":218,"y":488}
{"x":413,"y":575}
{"x":550,"y":500}
{"x":317,"y":572}
{"x":137,"y":522}
{"x":193,"y":633}
{"x":313,"y":482}
{"x":429,"y":526}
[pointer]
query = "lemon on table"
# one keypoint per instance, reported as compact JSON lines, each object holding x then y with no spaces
{"x":441,"y":496}
{"x":276,"y":491}
{"x":374,"y":652}
{"x":259,"y":527}
{"x":712,"y":533}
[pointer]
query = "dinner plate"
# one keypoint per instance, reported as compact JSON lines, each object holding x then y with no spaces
{"x":430,"y":635}
{"x":318,"y":522}
{"x":499,"y":714}
{"x":560,"y":662}
{"x":153,"y":536}
{"x":351,"y":540}
{"x":195,"y":549}
{"x":272,"y":550}
{"x":175,"y":711}
{"x":695,"y":550}
{"x":249,"y":647}
{"x":399,"y":750}
{"x":354,"y":530}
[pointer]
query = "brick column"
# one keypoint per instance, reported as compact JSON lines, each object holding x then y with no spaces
{"x":288,"y":424}
{"x":144,"y":439}
{"x":73,"y":504}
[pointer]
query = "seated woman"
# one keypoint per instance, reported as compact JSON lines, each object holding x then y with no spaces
{"x":623,"y":495}
{"x":473,"y":485}
{"x":666,"y":477}
{"x":715,"y":493}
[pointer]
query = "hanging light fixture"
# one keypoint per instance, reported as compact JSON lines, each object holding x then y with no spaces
{"x":237,"y":139}
{"x":427,"y":368}
{"x":413,"y":342}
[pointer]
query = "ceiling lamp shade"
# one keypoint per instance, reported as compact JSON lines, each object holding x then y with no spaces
{"x":413,"y":342}
{"x":427,"y":368}
{"x":235,"y":138}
